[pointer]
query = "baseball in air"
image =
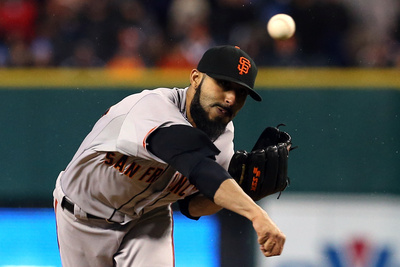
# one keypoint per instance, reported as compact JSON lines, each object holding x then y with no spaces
{"x":281,"y":27}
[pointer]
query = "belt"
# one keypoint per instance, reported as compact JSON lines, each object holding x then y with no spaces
{"x":69,"y":206}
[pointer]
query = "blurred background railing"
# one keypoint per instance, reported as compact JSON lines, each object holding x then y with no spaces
{"x":175,"y":33}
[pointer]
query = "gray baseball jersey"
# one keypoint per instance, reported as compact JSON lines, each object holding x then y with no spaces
{"x":113,"y":176}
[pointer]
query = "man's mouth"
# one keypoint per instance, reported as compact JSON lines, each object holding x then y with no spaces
{"x":224,"y":110}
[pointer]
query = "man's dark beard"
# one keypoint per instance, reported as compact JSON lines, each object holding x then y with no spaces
{"x":213,"y":128}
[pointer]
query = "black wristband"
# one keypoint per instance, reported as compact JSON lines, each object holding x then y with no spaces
{"x":184,"y":206}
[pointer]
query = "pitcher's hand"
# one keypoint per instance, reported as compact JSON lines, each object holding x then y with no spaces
{"x":270,"y":238}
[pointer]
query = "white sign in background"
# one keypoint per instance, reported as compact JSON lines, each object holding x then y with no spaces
{"x":335,"y":230}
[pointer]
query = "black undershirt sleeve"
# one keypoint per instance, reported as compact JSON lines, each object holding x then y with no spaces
{"x":184,"y":206}
{"x":191,"y":152}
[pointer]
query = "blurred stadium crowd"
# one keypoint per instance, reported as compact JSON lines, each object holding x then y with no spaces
{"x":175,"y":33}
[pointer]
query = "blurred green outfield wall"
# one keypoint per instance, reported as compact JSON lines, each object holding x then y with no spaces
{"x":345,"y":122}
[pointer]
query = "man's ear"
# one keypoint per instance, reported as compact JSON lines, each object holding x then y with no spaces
{"x":195,"y":78}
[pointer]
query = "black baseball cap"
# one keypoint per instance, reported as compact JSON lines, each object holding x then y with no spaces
{"x":232,"y":64}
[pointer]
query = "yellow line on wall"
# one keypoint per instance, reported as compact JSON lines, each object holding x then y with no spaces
{"x":91,"y":78}
{"x":269,"y":78}
{"x":329,"y":78}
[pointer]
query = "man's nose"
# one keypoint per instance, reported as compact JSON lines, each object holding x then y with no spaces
{"x":230,"y":97}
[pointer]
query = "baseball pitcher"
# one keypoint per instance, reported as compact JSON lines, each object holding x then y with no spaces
{"x":113,"y":200}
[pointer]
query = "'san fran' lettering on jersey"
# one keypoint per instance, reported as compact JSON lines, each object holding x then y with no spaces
{"x":179,"y":186}
{"x":149,"y":175}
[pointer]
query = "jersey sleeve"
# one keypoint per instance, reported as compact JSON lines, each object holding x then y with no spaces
{"x":146,"y":115}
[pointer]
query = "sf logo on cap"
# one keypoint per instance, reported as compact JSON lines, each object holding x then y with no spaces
{"x":244,"y":65}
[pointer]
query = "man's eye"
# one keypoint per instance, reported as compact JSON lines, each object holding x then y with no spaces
{"x":242,"y":92}
{"x":223,"y":84}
